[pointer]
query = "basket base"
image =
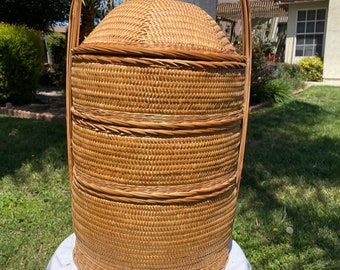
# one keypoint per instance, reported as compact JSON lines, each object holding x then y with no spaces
{"x":62,"y":258}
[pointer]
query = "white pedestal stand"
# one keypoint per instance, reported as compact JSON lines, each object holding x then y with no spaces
{"x":62,"y":259}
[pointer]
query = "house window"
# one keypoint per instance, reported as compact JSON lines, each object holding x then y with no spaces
{"x":310,"y":30}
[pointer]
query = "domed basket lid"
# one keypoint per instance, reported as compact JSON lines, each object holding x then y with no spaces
{"x":161,"y":29}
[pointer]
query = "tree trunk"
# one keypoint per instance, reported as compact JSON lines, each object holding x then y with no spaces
{"x":87,"y":22}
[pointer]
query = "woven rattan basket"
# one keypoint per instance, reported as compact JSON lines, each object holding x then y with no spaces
{"x":157,"y":105}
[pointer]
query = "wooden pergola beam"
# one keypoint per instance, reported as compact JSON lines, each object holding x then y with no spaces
{"x":259,"y":9}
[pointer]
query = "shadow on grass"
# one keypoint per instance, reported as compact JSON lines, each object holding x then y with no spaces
{"x":293,"y":140}
{"x":292,"y":159}
{"x":26,"y":141}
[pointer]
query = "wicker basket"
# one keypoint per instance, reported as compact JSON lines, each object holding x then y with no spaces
{"x":157,"y":104}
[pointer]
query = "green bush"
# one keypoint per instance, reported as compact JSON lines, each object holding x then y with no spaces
{"x":50,"y":77}
{"x":276,"y":91}
{"x":21,"y":58}
{"x":291,"y":73}
{"x":57,"y":46}
{"x":312,"y":68}
{"x":261,"y":71}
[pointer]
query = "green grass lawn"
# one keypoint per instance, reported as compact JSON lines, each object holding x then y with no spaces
{"x":35,"y":204}
{"x":291,"y":179}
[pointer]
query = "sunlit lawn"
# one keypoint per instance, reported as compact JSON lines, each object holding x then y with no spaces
{"x":35,"y":205}
{"x":291,"y":178}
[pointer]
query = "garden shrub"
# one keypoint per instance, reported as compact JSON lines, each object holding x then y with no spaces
{"x":261,"y":72}
{"x":272,"y":82}
{"x":291,"y":73}
{"x":50,"y":77}
{"x":21,"y":58}
{"x":312,"y":68}
{"x":276,"y":91}
{"x":57,"y":46}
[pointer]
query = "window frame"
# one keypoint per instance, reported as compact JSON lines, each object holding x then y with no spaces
{"x":309,"y":40}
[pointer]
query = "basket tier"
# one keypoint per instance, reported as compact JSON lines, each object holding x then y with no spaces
{"x":152,"y":237}
{"x":152,"y":89}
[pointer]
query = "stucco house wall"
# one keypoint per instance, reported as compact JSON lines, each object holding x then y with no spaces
{"x":330,"y":53}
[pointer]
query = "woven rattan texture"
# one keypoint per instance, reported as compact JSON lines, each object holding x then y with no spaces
{"x":155,"y":161}
{"x":150,"y":237}
{"x":141,"y":26}
{"x":157,"y":90}
{"x":174,"y":151}
{"x":156,"y":110}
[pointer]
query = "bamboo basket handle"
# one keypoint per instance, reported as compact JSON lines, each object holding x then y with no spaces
{"x":247,"y":52}
{"x":73,"y":41}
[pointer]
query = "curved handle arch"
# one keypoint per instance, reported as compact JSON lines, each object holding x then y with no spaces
{"x":73,"y":41}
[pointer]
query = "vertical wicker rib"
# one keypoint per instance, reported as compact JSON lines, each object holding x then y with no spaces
{"x":156,"y":122}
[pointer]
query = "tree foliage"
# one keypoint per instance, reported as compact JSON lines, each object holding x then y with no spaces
{"x":36,"y":14}
{"x":41,"y":14}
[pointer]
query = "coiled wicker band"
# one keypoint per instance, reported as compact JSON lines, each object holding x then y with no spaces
{"x":157,"y":109}
{"x":151,"y":236}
